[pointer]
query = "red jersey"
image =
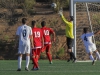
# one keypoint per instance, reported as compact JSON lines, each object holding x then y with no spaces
{"x":46,"y":34}
{"x":37,"y":37}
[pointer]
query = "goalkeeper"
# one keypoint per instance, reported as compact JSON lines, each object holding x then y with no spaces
{"x":69,"y":35}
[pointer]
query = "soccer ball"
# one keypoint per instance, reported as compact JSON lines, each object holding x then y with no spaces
{"x":53,"y":5}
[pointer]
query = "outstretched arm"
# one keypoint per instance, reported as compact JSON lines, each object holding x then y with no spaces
{"x":98,"y":32}
{"x":64,"y":19}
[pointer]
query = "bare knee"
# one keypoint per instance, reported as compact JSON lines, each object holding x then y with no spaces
{"x":90,"y":53}
{"x":27,"y":54}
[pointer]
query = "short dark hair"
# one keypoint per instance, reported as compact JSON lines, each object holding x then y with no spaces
{"x":71,"y":18}
{"x":33,"y":23}
{"x":24,"y":20}
{"x":85,"y":30}
{"x":43,"y":23}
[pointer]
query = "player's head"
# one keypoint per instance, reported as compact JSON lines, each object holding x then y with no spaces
{"x":85,"y":30}
{"x":33,"y":23}
{"x":43,"y":23}
{"x":71,"y":18}
{"x":24,"y":20}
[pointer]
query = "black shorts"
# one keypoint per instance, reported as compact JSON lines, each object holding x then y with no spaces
{"x":70,"y":42}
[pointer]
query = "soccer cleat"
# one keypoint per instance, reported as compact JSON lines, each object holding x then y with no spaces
{"x":51,"y":62}
{"x":26,"y":69}
{"x":96,"y":59}
{"x":35,"y":69}
{"x":93,"y":63}
{"x":19,"y":69}
{"x":74,"y":61}
{"x":68,"y":60}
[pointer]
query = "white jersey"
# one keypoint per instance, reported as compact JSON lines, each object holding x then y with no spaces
{"x":87,"y":38}
{"x":89,"y":45}
{"x":24,"y":32}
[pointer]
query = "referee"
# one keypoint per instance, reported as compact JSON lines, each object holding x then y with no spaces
{"x":69,"y":35}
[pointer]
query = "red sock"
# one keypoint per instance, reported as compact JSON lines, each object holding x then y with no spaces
{"x":38,"y":53}
{"x":49,"y":56}
{"x":35,"y":63}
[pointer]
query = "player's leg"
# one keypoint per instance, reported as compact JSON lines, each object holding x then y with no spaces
{"x":27,"y":61}
{"x":94,"y":49}
{"x":92,"y":58}
{"x":70,"y":45}
{"x":97,"y":54}
{"x":43,"y":48}
{"x":19,"y":62}
{"x":38,"y":53}
{"x":72,"y":56}
{"x":34,"y":59}
{"x":48,"y":46}
{"x":20,"y":50}
{"x":27,"y":52}
{"x":89,"y":51}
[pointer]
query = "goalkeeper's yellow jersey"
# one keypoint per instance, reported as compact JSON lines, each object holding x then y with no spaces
{"x":69,"y":28}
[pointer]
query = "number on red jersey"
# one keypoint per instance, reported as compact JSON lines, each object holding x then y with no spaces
{"x":46,"y":32}
{"x":37,"y":34}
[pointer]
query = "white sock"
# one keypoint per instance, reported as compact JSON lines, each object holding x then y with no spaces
{"x":98,"y":55}
{"x":27,"y":61}
{"x":19,"y":62}
{"x":91,"y":57}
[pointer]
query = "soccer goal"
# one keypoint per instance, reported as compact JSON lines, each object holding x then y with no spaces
{"x":86,"y":14}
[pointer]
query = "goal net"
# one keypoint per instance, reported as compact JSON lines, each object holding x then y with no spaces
{"x":87,"y":15}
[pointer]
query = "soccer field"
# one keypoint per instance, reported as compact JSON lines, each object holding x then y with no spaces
{"x":59,"y":67}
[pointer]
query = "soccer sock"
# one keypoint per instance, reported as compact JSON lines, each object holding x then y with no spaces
{"x":98,"y":55}
{"x":27,"y":61}
{"x":19,"y":62}
{"x":72,"y":55}
{"x":35,"y":62}
{"x":37,"y":58}
{"x":91,"y":57}
{"x":38,"y":53}
{"x":49,"y":56}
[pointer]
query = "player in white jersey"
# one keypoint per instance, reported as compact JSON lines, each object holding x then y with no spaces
{"x":24,"y":34}
{"x":89,"y":45}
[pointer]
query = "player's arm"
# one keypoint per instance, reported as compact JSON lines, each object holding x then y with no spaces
{"x":98,"y":32}
{"x":31,"y":39}
{"x":17,"y":37}
{"x":53,"y":35}
{"x":42,"y":41}
{"x":65,"y":20}
{"x":16,"y":41}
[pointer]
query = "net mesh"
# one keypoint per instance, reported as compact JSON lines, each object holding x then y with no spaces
{"x":82,"y":20}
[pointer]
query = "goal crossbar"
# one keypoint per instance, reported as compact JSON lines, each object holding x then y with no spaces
{"x":86,"y":0}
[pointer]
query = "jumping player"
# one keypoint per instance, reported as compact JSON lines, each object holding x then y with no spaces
{"x":89,"y":45}
{"x":47,"y":32}
{"x":69,"y":35}
{"x":24,"y":34}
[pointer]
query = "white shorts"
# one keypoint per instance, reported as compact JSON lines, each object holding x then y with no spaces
{"x":90,"y":48}
{"x":24,"y":49}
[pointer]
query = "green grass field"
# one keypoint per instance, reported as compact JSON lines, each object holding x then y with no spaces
{"x":59,"y":67}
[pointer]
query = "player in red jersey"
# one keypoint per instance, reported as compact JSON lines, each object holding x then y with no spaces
{"x":47,"y":32}
{"x":37,"y":41}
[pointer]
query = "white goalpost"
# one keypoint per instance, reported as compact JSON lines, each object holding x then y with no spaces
{"x":86,"y":14}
